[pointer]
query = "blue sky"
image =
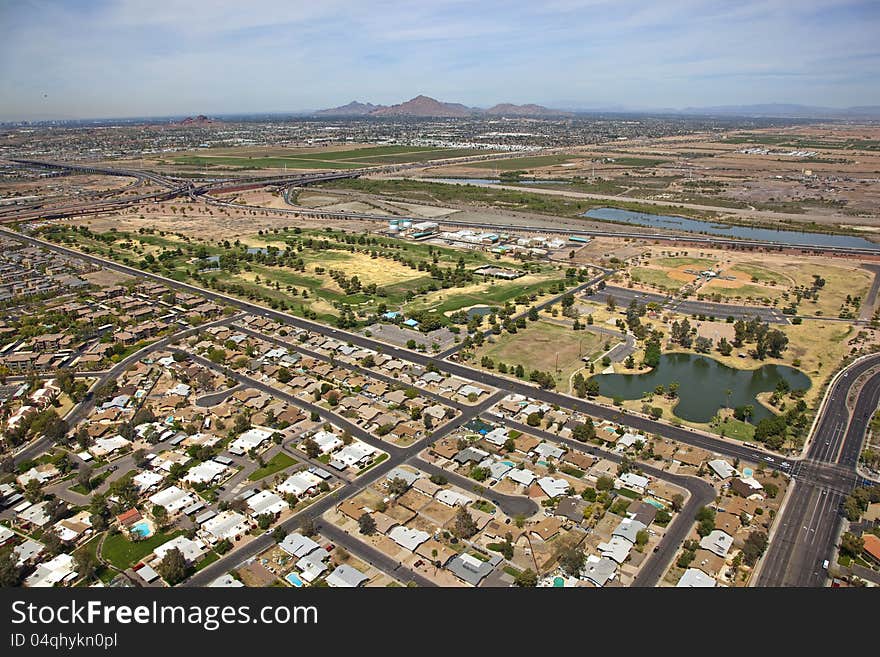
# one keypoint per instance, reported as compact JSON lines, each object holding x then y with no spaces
{"x":111,"y":58}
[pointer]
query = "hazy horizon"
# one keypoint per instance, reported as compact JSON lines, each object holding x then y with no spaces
{"x":121,"y":58}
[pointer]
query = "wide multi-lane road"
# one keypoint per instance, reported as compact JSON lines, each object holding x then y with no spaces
{"x":808,"y":526}
{"x":635,"y":420}
{"x":836,"y":477}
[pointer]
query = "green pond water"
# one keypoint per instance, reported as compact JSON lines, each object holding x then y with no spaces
{"x":703,"y":384}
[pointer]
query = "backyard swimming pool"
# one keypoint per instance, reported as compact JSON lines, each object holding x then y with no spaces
{"x":142,"y":529}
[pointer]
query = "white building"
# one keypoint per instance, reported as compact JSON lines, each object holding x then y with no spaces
{"x":173,"y":499}
{"x":250,"y":439}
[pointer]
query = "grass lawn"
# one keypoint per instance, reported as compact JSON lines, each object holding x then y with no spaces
{"x":277,"y":463}
{"x":761,"y":273}
{"x":102,"y":572}
{"x":378,"y":460}
{"x":210,"y":558}
{"x":736,"y":429}
{"x":541,"y":345}
{"x":124,"y":553}
{"x":715,"y":287}
{"x":484,"y":506}
{"x":655,"y":278}
{"x":683,"y":261}
{"x":572,"y":471}
{"x":492,"y":293}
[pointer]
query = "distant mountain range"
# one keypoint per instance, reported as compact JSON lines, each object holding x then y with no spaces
{"x":354,"y":108}
{"x":425,"y":106}
{"x":201,"y":119}
{"x":786,"y":110}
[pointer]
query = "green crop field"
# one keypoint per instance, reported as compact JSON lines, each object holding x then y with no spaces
{"x":525,"y":162}
{"x":327,"y":159}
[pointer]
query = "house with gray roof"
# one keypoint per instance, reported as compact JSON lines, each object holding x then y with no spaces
{"x":599,"y":570}
{"x":470,"y":569}
{"x":297,"y":545}
{"x":629,"y":529}
{"x":717,"y":542}
{"x":470,"y":455}
{"x":346,"y":577}
{"x":408,"y":476}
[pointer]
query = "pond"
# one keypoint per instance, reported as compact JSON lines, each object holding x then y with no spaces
{"x":478,"y":311}
{"x":703,"y":385}
{"x":790,"y":237}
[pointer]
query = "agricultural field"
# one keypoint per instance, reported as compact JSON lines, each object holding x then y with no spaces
{"x":321,"y":158}
{"x":525,"y":163}
{"x":545,"y":346}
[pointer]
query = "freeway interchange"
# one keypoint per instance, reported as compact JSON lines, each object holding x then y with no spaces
{"x":804,"y":535}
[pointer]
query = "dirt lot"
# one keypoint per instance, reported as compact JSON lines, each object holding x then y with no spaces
{"x":821,"y":173}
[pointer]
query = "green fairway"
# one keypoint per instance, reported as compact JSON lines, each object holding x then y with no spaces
{"x":761,"y":274}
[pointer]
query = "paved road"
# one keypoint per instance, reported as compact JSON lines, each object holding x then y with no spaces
{"x":623,"y":296}
{"x":378,"y":376}
{"x":371,"y":555}
{"x":691,"y":437}
{"x":701,"y":494}
{"x":866,"y":312}
{"x":214,"y":398}
{"x":808,"y":527}
{"x":637,"y":422}
{"x":397,"y":456}
{"x":512,"y":505}
{"x":81,"y":410}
